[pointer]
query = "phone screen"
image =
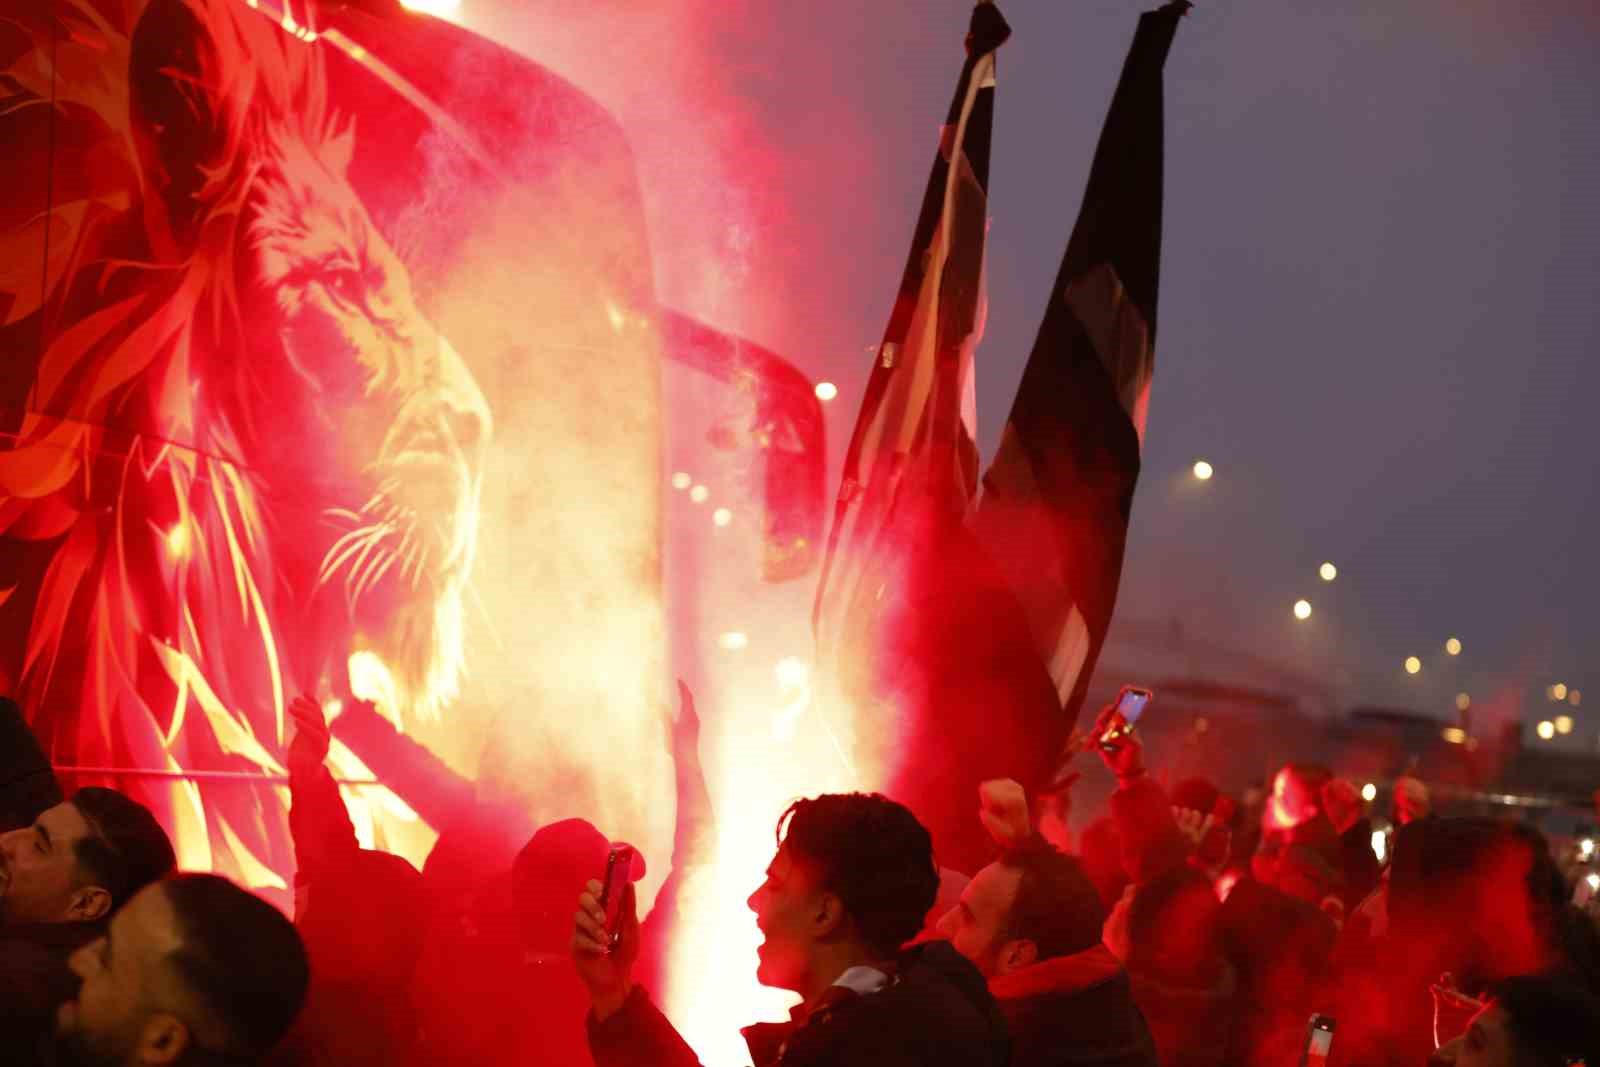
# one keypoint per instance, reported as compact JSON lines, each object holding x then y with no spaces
{"x":1319,"y":1042}
{"x":1132,"y":704}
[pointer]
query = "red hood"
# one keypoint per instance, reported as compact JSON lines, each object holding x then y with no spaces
{"x":1064,"y":974}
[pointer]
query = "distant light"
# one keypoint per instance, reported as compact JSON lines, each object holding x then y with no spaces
{"x":1563,"y":724}
{"x":1586,"y":848}
{"x":1413,"y":665}
{"x":1574,"y":697}
{"x":1203,"y":470}
{"x":1369,"y":792}
{"x":734,"y":640}
{"x":1328,"y":572}
{"x":792,"y":671}
{"x":681,"y":480}
{"x":1452,"y":645}
{"x":826,"y":391}
{"x":178,"y":540}
{"x":333,"y":709}
{"x":1593,"y":880}
{"x":432,"y":7}
{"x":699,"y":494}
{"x":1463,"y":702}
{"x":1455,"y":735}
{"x":722,"y":516}
{"x":1302,"y":609}
{"x":1546,"y":729}
{"x":1380,"y":845}
{"x":1559,"y":691}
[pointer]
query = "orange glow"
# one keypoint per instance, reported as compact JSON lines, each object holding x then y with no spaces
{"x":1563,"y":724}
{"x":1546,"y":729}
{"x":1574,"y":697}
{"x":1453,"y":646}
{"x":1463,"y":701}
{"x":178,"y":541}
{"x":1558,"y":691}
{"x":1413,"y":665}
{"x":1455,"y":735}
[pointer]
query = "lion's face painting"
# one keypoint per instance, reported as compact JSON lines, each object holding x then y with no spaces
{"x":376,"y":426}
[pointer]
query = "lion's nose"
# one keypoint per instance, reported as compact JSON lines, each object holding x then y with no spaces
{"x":464,"y":409}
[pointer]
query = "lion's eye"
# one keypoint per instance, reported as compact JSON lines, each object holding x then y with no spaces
{"x":345,"y":284}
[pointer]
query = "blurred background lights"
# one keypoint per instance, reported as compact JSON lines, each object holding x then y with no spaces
{"x":1202,"y":470}
{"x":826,"y":391}
{"x":178,"y":540}
{"x":1369,"y":792}
{"x":1546,"y":729}
{"x":1563,"y":724}
{"x":699,"y":494}
{"x":1380,"y":844}
{"x":1452,"y":645}
{"x":442,"y":8}
{"x":681,"y":480}
{"x":1574,"y":698}
{"x":1328,"y":572}
{"x":1463,"y":702}
{"x":722,"y":516}
{"x":1413,"y":665}
{"x":1302,"y":609}
{"x":733,"y":640}
{"x":1559,"y":691}
{"x":1455,"y":735}
{"x":792,"y":671}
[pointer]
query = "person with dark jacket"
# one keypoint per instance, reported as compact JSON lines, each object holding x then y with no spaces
{"x":1030,"y":921}
{"x":1166,"y":928}
{"x":1358,"y":863}
{"x":851,"y":882}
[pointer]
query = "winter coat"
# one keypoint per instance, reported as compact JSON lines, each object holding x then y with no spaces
{"x":937,"y":1009}
{"x":1074,"y":1011}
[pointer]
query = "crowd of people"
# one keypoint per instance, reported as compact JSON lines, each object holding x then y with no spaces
{"x":1181,"y":927}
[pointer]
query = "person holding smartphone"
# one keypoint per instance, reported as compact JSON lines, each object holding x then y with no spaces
{"x":849,"y":887}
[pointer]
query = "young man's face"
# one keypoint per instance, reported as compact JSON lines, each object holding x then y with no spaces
{"x":789,"y":907}
{"x":40,"y":880}
{"x":977,"y":926}
{"x":122,"y":975}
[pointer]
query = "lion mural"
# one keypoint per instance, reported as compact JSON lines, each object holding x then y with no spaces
{"x":246,"y":459}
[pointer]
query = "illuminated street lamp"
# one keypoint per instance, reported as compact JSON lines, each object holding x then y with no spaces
{"x":1413,"y":665}
{"x":1463,"y":702}
{"x":1563,"y":724}
{"x":1328,"y":572}
{"x":1546,"y":729}
{"x":826,"y":391}
{"x":1452,"y":645}
{"x":1203,"y":470}
{"x":1302,"y":609}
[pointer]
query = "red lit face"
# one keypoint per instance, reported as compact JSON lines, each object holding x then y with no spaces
{"x":790,"y":909}
{"x":39,"y":874}
{"x":978,"y":925}
{"x":1291,"y":802}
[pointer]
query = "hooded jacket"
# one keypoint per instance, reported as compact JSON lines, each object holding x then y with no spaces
{"x":1074,"y":1011}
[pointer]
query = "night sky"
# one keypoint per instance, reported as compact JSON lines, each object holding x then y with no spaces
{"x":1378,"y":314}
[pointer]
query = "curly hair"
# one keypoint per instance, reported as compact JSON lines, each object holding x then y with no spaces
{"x":874,"y":855}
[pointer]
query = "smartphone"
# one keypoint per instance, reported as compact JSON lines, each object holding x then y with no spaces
{"x":619,"y":865}
{"x":1131,"y":702}
{"x":1319,"y":1041}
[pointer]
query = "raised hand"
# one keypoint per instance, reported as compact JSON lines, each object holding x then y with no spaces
{"x":1003,"y":810}
{"x":1124,"y":753}
{"x":309,"y":748}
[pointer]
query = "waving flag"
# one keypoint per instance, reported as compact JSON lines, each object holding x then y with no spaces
{"x":1056,"y":501}
{"x":912,"y":459}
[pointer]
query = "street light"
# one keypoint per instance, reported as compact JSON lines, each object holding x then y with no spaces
{"x":1558,"y":691}
{"x":1546,"y":729}
{"x":1302,"y":609}
{"x":826,"y":391}
{"x":1563,"y":724}
{"x":1452,"y":645}
{"x":1203,"y":470}
{"x":1328,"y":572}
{"x":1413,"y":665}
{"x":1463,"y":702}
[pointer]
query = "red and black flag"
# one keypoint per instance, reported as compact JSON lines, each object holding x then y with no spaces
{"x":912,"y":463}
{"x":1056,"y":500}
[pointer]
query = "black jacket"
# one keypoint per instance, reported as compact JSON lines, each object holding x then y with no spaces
{"x":35,"y":981}
{"x":1074,"y":1011}
{"x":937,"y":1011}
